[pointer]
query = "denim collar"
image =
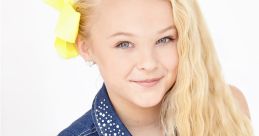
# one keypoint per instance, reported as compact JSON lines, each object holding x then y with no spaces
{"x":105,"y":118}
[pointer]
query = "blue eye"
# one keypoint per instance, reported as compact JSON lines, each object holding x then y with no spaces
{"x":124,"y":45}
{"x":165,"y":40}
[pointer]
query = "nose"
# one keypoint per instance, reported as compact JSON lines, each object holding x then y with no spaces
{"x":147,"y":61}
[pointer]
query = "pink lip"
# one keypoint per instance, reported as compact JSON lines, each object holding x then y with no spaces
{"x":148,"y":82}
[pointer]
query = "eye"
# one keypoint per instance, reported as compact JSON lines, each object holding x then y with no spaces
{"x":165,"y":40}
{"x":124,"y":45}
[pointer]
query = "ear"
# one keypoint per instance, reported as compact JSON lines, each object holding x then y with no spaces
{"x":84,"y":48}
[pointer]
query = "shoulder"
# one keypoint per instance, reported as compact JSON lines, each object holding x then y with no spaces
{"x":241,"y":100}
{"x":81,"y":127}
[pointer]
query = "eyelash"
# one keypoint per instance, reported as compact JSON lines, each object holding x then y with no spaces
{"x":167,"y":37}
{"x":123,"y":42}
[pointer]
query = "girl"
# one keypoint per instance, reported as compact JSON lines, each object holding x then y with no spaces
{"x":160,"y":70}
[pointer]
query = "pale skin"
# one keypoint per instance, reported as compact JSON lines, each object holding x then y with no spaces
{"x":148,"y":51}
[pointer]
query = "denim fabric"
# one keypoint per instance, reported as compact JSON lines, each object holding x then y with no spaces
{"x":101,"y":120}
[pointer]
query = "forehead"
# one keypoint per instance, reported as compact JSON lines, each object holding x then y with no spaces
{"x":140,"y":17}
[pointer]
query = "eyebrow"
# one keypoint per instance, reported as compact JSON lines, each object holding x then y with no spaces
{"x":132,"y":35}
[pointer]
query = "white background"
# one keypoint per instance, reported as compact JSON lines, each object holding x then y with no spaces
{"x":41,"y":93}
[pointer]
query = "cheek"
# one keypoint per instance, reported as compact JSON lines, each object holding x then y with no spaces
{"x":169,"y":59}
{"x":113,"y":67}
{"x":172,"y":62}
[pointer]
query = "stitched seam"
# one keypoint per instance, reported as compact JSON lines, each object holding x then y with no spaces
{"x":84,"y":132}
{"x":90,"y":133}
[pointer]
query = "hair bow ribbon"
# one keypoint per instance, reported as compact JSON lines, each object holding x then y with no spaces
{"x":67,"y":27}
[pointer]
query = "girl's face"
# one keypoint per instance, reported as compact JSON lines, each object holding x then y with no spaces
{"x":133,"y":42}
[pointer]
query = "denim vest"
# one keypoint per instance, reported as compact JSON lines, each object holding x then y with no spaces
{"x":100,"y":120}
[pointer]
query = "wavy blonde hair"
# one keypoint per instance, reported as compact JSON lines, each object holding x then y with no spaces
{"x":200,"y":103}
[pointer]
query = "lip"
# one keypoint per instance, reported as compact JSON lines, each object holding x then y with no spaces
{"x":147,"y":82}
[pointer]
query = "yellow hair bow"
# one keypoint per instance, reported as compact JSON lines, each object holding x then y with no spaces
{"x":67,"y":27}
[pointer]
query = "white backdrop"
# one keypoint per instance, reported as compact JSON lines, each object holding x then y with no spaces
{"x":1,"y":87}
{"x":41,"y":94}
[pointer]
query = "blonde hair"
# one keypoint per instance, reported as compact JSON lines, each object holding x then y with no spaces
{"x":200,"y":103}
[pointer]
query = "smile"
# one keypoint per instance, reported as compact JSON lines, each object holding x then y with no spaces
{"x":147,"y":82}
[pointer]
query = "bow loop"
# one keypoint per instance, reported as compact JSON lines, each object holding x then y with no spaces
{"x":68,"y":24}
{"x":58,"y":4}
{"x":67,"y":27}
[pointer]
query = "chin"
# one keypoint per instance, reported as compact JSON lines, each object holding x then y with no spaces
{"x":149,"y":102}
{"x":146,"y":98}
